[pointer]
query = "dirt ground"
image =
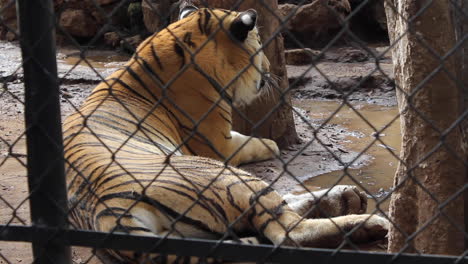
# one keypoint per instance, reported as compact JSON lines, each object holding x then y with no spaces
{"x":350,"y":73}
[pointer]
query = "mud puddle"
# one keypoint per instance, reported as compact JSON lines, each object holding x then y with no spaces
{"x":363,"y":122}
{"x":105,"y":60}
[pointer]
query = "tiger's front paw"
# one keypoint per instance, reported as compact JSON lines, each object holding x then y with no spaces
{"x":269,"y":149}
{"x":250,"y":149}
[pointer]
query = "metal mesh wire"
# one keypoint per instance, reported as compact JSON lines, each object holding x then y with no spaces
{"x":325,"y":136}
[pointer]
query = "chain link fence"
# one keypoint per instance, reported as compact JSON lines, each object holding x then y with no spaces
{"x":131,"y":188}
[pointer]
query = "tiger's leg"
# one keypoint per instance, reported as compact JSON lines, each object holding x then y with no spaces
{"x":244,"y":149}
{"x":274,"y":219}
{"x":140,"y":220}
{"x":336,"y":201}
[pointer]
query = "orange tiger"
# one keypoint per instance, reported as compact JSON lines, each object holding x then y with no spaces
{"x":148,"y":151}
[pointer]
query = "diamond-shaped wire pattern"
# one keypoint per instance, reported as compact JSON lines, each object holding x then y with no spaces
{"x":151,"y":159}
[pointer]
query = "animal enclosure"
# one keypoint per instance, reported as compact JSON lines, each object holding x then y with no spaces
{"x":346,"y":102}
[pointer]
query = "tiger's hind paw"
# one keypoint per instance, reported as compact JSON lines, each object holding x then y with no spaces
{"x":370,"y":229}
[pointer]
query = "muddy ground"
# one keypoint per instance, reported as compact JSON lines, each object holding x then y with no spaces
{"x":351,"y":73}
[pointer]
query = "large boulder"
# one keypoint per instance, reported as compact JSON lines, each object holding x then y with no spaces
{"x":79,"y":18}
{"x":157,"y":13}
{"x":315,"y":23}
{"x":78,"y":23}
{"x":8,"y":19}
{"x":84,"y":18}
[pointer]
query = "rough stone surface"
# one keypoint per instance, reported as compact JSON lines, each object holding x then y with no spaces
{"x":417,"y":211}
{"x":7,"y":19}
{"x":300,"y":56}
{"x":312,"y":24}
{"x":112,"y":38}
{"x":156,"y":13}
{"x":106,"y":2}
{"x":131,"y":43}
{"x":8,"y":9}
{"x":150,"y":18}
{"x":78,"y":23}
{"x":10,"y":36}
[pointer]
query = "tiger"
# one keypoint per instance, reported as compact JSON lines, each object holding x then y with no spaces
{"x":151,"y":152}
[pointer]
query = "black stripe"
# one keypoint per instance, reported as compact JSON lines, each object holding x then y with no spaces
{"x":129,"y":88}
{"x":147,"y":68}
{"x":231,"y":197}
{"x":180,"y":51}
{"x":262,"y":228}
{"x":206,"y":25}
{"x":99,"y":144}
{"x":143,"y":129}
{"x":105,"y":122}
{"x":134,"y":196}
{"x":194,"y":183}
{"x":200,"y":27}
{"x":188,"y":40}
{"x":232,"y":201}
{"x":156,"y":58}
{"x":278,"y":210}
{"x":225,"y":118}
{"x":86,"y":181}
{"x":221,"y":91}
{"x":140,"y":81}
{"x":115,"y":212}
{"x":129,"y":229}
{"x":127,"y":183}
{"x":194,"y":200}
{"x":254,"y":197}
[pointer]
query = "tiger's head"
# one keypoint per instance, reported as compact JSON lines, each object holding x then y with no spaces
{"x":226,"y":49}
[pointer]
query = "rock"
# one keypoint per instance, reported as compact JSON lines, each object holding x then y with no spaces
{"x":150,"y":18}
{"x":295,"y":2}
{"x":135,"y":18}
{"x":8,"y":10}
{"x":301,"y":56}
{"x":10,"y":36}
{"x":67,"y":95}
{"x":78,"y":23}
{"x":7,"y":19}
{"x":105,"y":2}
{"x":156,"y":14}
{"x":112,"y":39}
{"x":351,"y":55}
{"x":286,"y":9}
{"x":131,"y":43}
{"x":313,"y":24}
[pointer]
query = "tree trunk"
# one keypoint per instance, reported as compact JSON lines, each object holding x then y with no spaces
{"x":460,"y":18}
{"x":422,"y":206}
{"x":272,"y":116}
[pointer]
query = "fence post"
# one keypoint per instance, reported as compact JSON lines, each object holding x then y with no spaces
{"x":46,"y":177}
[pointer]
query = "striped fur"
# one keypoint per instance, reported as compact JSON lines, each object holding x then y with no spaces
{"x":144,"y":151}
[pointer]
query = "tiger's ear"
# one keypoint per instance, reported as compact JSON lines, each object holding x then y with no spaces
{"x":242,"y":24}
{"x":186,"y":11}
